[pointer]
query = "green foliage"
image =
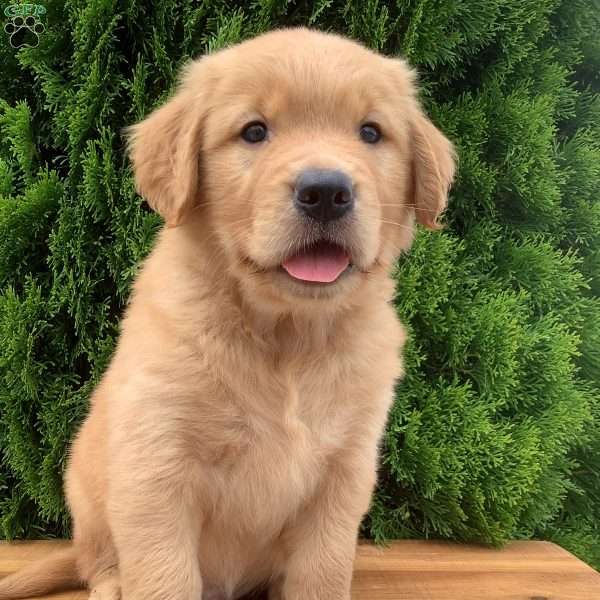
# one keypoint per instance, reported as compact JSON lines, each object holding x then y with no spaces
{"x":495,"y":432}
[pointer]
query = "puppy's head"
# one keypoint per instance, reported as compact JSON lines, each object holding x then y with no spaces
{"x":304,"y":155}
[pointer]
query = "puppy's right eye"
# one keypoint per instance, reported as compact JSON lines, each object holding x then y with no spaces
{"x":255,"y":132}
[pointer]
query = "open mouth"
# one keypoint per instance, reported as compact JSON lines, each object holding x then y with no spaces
{"x":322,"y":262}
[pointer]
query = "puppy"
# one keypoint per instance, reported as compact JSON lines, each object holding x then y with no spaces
{"x":232,"y":443}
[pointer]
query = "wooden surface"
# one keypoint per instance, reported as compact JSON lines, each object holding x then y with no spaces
{"x":416,"y":570}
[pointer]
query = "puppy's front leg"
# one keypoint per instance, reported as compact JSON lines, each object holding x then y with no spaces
{"x":155,"y":524}
{"x":322,"y":543}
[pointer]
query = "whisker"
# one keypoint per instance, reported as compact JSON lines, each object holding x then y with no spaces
{"x":402,"y":226}
{"x":430,"y":211}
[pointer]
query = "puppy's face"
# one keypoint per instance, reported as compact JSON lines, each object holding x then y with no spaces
{"x":307,"y":157}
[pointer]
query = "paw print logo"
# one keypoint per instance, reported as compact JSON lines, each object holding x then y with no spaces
{"x":24,"y":32}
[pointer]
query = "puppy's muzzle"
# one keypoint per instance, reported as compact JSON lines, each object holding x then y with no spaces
{"x":324,"y":194}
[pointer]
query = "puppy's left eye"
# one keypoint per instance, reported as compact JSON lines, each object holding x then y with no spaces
{"x":370,"y":133}
{"x":255,"y":132}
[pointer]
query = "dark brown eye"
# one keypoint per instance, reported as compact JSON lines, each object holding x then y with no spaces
{"x":255,"y":132}
{"x":370,"y":133}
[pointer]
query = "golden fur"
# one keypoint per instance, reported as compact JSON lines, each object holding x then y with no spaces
{"x":232,"y":442}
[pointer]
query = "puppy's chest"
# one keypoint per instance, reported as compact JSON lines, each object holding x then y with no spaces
{"x":287,"y":455}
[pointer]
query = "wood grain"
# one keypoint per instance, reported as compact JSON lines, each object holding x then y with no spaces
{"x":426,"y":570}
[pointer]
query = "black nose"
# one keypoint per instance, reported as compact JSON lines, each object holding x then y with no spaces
{"x":324,"y":194}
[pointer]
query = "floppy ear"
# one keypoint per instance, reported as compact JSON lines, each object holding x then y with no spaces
{"x":165,"y":152}
{"x":433,"y":171}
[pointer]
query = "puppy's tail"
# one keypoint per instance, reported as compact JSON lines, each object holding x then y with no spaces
{"x":52,"y":574}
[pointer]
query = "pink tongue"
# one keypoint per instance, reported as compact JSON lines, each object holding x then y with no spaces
{"x":323,"y":264}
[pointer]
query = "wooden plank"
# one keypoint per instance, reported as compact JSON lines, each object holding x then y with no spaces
{"x":430,"y":570}
{"x":426,"y":570}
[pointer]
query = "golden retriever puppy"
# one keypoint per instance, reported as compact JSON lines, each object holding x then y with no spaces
{"x":232,"y":443}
